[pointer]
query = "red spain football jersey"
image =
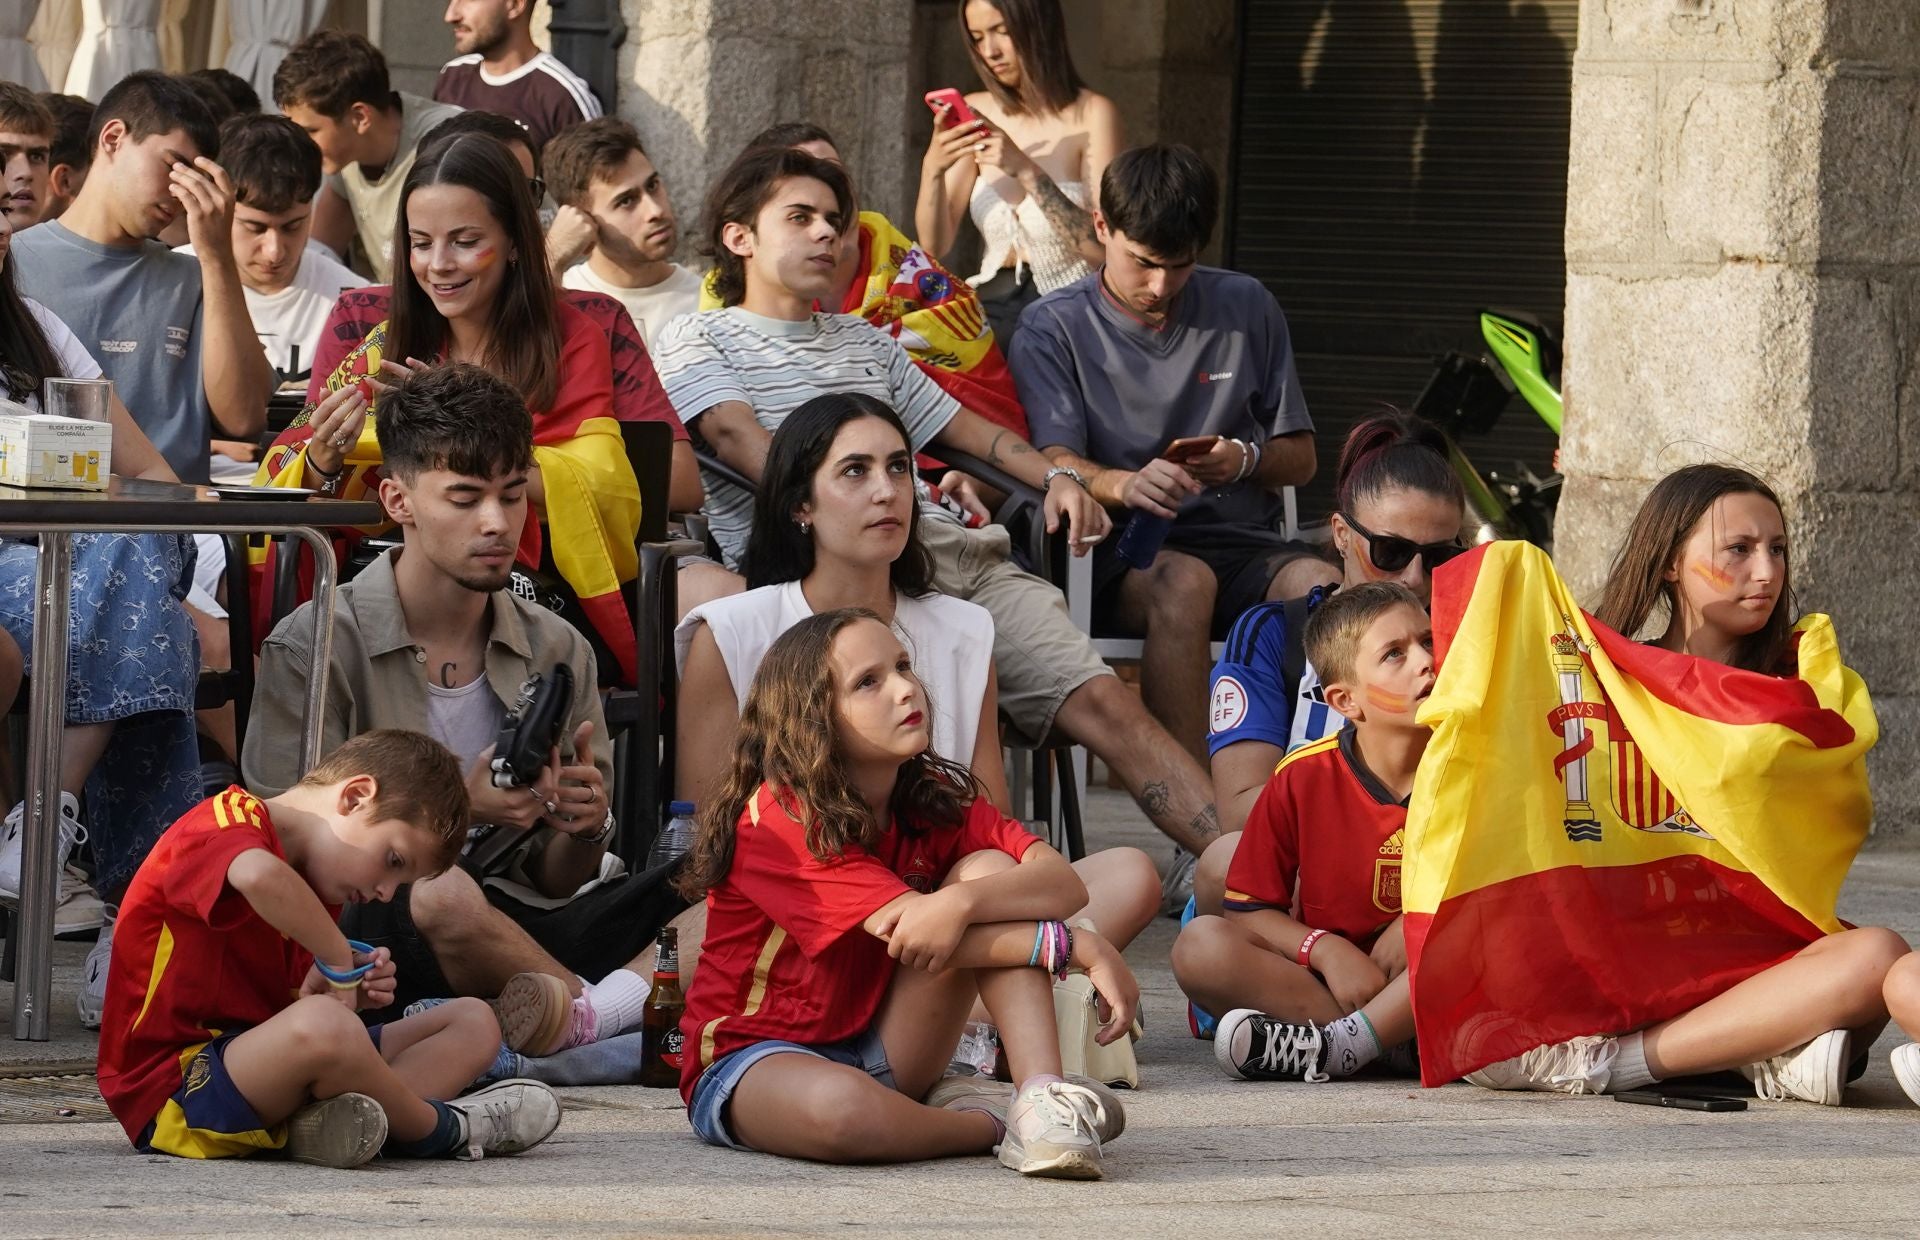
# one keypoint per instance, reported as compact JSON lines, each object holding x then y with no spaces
{"x":1323,"y":844}
{"x":191,"y":959}
{"x":785,"y":955}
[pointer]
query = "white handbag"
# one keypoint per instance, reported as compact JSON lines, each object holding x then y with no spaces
{"x":1076,"y":1012}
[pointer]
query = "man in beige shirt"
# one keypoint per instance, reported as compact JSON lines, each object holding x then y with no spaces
{"x":334,"y":85}
{"x":431,"y":638}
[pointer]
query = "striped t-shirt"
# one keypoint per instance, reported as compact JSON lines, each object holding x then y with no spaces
{"x":774,"y":366}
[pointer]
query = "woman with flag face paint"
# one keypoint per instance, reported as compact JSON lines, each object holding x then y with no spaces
{"x":1708,"y":552}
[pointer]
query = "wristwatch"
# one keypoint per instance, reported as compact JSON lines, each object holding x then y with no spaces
{"x":1057,"y":471}
{"x":606,"y":829}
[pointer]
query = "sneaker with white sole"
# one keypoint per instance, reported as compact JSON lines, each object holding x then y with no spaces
{"x":1051,"y":1133}
{"x":92,"y":999}
{"x":1906,"y":1069}
{"x":508,"y":1118}
{"x":13,"y":841}
{"x":1814,"y":1072}
{"x":1253,"y":1046}
{"x":539,"y":1016}
{"x":79,"y":910}
{"x":343,"y":1131}
{"x":1177,"y":887}
{"x":1580,"y":1066}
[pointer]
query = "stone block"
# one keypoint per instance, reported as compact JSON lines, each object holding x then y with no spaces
{"x":1733,"y":182}
{"x":1592,"y":520}
{"x":1855,"y":364}
{"x":1885,"y":35}
{"x":1868,"y":198}
{"x":651,"y":19}
{"x":1893,"y":768}
{"x":1851,"y":551}
{"x":1679,"y":30}
{"x":1663,"y":370}
{"x":1610,"y":184}
{"x":1133,"y":33}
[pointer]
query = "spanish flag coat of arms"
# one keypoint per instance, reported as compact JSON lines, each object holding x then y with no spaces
{"x":1604,"y":834}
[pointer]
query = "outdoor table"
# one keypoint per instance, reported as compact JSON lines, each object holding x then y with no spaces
{"x":128,"y":506}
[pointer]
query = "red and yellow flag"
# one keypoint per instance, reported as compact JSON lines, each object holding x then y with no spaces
{"x":1604,"y":834}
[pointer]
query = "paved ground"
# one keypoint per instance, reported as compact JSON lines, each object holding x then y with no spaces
{"x":1202,"y":1155}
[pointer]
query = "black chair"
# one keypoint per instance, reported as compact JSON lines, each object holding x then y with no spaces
{"x":641,"y":718}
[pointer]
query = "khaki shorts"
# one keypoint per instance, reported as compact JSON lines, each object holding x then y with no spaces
{"x":1040,"y":656}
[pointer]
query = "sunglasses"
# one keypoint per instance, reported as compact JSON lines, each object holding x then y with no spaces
{"x":1390,"y":553}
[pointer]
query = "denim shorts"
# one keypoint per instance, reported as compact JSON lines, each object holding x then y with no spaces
{"x":714,"y":1090}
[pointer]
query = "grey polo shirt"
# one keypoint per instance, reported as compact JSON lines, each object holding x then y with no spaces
{"x":1100,"y":383}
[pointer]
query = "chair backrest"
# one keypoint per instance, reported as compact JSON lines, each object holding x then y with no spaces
{"x":650,"y":452}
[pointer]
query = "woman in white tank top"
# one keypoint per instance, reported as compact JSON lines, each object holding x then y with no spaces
{"x":836,"y":525}
{"x":1028,"y":168}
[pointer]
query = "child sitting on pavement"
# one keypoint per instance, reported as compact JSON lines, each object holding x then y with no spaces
{"x":860,"y":894}
{"x":230,"y":1023}
{"x":1307,"y":968}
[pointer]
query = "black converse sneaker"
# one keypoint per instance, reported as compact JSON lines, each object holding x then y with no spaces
{"x":1253,"y":1046}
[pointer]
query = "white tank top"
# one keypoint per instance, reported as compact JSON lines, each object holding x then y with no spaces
{"x":949,"y":640}
{"x":1011,"y":231}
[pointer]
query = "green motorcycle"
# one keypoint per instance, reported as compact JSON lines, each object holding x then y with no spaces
{"x":1466,"y":397}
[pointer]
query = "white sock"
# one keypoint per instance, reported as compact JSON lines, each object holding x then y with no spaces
{"x":1629,"y":1065}
{"x":1351,"y":1045}
{"x":618,"y":999}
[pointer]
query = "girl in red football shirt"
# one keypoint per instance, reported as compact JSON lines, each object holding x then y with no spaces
{"x":838,"y":849}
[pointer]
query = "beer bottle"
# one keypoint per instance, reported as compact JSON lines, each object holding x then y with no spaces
{"x":660,"y":1038}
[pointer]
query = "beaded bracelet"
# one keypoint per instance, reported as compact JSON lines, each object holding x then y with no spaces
{"x":346,"y":979}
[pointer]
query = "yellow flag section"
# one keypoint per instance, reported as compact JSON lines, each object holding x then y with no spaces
{"x":1604,"y":834}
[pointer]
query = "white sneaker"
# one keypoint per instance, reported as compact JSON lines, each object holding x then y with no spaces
{"x":79,"y":910}
{"x":1580,"y":1066}
{"x":92,"y":999}
{"x":1051,"y":1132}
{"x":13,"y":835}
{"x":1177,"y":887}
{"x":1815,"y":1072}
{"x":343,"y":1131}
{"x":1906,"y":1069}
{"x":510,"y":1117}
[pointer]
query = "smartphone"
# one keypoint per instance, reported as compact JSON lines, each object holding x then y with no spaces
{"x":956,"y":110}
{"x":1180,"y":451}
{"x":1679,"y":1102}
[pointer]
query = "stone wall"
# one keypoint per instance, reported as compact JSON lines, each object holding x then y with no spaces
{"x":1743,"y":245}
{"x":700,"y":77}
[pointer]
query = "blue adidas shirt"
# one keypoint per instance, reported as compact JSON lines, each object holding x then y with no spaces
{"x":1250,"y":699}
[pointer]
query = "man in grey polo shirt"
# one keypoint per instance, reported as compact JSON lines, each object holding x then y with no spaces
{"x":1150,"y":350}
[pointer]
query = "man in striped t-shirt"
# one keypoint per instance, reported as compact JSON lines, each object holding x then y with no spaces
{"x":734,"y":374}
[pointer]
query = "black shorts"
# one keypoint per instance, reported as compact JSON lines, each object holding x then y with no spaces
{"x":1244,"y":558}
{"x":591,"y":936}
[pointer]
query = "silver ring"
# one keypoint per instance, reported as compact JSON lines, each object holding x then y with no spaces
{"x":552,"y":808}
{"x":342,"y":442}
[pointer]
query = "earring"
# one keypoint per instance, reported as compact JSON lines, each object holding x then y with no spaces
{"x":805,"y":527}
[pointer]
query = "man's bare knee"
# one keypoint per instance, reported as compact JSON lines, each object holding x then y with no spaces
{"x":1177,"y":591}
{"x":1297,"y":578}
{"x":447,"y":902}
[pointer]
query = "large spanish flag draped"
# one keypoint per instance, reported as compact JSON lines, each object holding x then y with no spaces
{"x":1604,"y":834}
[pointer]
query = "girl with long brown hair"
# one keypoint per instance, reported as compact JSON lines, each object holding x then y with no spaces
{"x":1708,"y":554}
{"x":837,"y":849}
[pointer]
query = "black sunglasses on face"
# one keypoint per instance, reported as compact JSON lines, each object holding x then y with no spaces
{"x":1390,"y":553}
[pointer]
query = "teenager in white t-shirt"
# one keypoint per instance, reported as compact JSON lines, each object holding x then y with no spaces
{"x":614,"y":211}
{"x":837,"y":526}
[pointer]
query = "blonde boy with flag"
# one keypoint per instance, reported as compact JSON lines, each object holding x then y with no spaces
{"x":1665,"y":825}
{"x":1308,"y":964}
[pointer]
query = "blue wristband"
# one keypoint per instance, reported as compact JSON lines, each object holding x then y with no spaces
{"x":347,"y":976}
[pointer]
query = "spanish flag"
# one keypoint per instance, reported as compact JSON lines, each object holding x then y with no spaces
{"x":1604,"y":834}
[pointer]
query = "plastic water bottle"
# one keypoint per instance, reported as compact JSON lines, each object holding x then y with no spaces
{"x":1140,"y":540}
{"x":675,"y":838}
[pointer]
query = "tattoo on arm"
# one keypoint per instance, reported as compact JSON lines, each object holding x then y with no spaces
{"x":1206,"y":823}
{"x":1154,"y":798}
{"x":1020,"y":447}
{"x":1074,"y":224}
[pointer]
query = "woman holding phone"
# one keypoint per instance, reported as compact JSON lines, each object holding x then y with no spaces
{"x":1024,"y":156}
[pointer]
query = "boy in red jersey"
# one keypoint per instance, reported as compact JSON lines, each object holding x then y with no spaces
{"x":230,"y":1022}
{"x":1307,"y":969}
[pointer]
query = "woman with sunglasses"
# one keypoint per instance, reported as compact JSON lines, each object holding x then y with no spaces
{"x":1399,"y":516}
